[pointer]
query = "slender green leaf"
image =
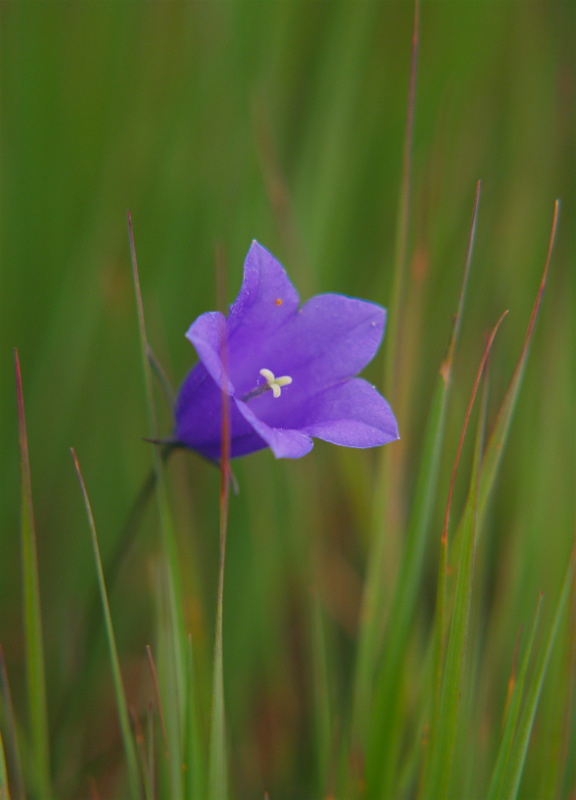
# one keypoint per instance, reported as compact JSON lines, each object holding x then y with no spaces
{"x":9,"y":721}
{"x":218,"y":766}
{"x":444,"y":727}
{"x":385,"y":739}
{"x":35,"y":672}
{"x":496,"y":443}
{"x":194,"y":749}
{"x":513,"y":709}
{"x":444,"y":737}
{"x":517,"y":757}
{"x":371,"y":602}
{"x":175,"y":690}
{"x":127,"y":737}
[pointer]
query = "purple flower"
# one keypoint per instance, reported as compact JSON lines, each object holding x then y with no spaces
{"x":288,"y":370}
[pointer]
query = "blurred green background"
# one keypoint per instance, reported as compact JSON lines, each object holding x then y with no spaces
{"x":216,"y":123}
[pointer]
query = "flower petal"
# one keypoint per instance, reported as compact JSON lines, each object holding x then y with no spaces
{"x":198,"y":415}
{"x":207,"y":334}
{"x":284,"y":443}
{"x":266,"y":297}
{"x":353,"y":414}
{"x":330,"y":339}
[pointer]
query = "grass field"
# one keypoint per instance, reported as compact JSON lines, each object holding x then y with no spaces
{"x":373,"y":646}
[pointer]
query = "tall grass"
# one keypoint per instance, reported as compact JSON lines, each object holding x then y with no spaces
{"x":355,"y":624}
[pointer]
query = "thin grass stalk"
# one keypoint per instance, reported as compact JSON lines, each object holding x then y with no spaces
{"x":127,"y":737}
{"x":490,"y":463}
{"x":218,"y":766}
{"x":497,"y":440}
{"x":514,"y":701}
{"x":371,"y":627}
{"x":176,"y":681}
{"x":35,"y":669}
{"x":449,"y":670}
{"x":218,"y":783}
{"x":386,"y":741}
{"x":71,"y":700}
{"x":513,"y":775}
{"x":9,"y":721}
{"x":194,"y":749}
{"x":443,"y":738}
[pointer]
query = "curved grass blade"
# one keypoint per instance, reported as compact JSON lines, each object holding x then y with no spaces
{"x":127,"y":738}
{"x":512,"y":713}
{"x":386,"y":742}
{"x":35,"y":671}
{"x":9,"y":721}
{"x":495,"y":445}
{"x":450,"y":673}
{"x":513,"y":775}
{"x":497,"y":440}
{"x":174,"y":686}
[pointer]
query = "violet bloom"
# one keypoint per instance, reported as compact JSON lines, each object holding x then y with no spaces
{"x":288,"y":370}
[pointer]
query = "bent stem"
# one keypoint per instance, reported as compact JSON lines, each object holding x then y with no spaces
{"x":129,"y":746}
{"x":218,"y":761}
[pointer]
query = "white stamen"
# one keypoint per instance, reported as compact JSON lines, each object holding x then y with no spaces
{"x":275,"y":384}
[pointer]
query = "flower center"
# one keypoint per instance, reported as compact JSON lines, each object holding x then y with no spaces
{"x":272,"y":382}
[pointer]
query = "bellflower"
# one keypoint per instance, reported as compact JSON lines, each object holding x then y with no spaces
{"x":288,"y":370}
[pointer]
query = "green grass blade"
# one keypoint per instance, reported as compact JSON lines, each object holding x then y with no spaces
{"x":385,"y":742}
{"x":218,"y":766}
{"x":443,"y":732}
{"x":371,"y":601}
{"x":512,"y":712}
{"x":497,"y":440}
{"x":517,"y":757}
{"x":443,"y":738}
{"x":35,"y":672}
{"x":127,"y":737}
{"x":4,"y":789}
{"x":9,"y":722}
{"x":194,"y":750}
{"x":174,"y":686}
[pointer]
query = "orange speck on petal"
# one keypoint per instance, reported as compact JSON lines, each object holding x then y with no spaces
{"x":278,"y":301}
